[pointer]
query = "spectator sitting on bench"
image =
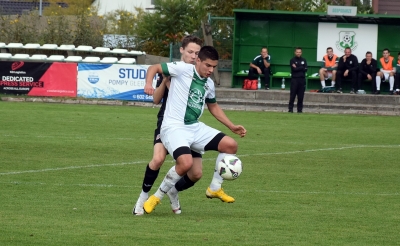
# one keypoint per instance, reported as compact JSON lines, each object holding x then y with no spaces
{"x":367,"y":71}
{"x":397,"y":76}
{"x":387,"y":66}
{"x":260,"y":65}
{"x":328,"y":67}
{"x":347,"y":68}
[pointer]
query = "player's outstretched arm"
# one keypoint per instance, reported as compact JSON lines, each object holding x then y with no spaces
{"x":151,"y":73}
{"x":159,"y":92}
{"x":219,"y":114}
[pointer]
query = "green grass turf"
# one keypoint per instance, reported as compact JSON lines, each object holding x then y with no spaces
{"x":70,"y":175}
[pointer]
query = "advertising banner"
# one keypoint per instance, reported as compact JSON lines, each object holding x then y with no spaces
{"x":113,"y":81}
{"x":38,"y":78}
{"x":359,"y":37}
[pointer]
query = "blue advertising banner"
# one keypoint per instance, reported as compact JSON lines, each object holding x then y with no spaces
{"x":113,"y":81}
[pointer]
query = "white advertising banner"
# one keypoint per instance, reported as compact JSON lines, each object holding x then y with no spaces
{"x":359,"y":37}
{"x":113,"y":81}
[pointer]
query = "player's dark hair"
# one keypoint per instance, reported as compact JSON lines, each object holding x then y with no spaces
{"x":386,"y":49}
{"x":208,"y":52}
{"x":191,"y":39}
{"x":348,"y":48}
{"x":398,"y":54}
{"x":264,"y":48}
{"x":368,"y":52}
{"x":329,"y":48}
{"x":298,"y":48}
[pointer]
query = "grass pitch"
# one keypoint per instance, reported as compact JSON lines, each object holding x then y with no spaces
{"x":70,"y":175}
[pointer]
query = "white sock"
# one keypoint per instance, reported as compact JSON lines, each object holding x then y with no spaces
{"x":144,"y":195}
{"x":333,"y":83}
{"x":173,"y":190}
{"x":169,"y":181}
{"x":323,"y":84}
{"x":378,"y":83}
{"x":216,"y":182}
{"x":391,"y":82}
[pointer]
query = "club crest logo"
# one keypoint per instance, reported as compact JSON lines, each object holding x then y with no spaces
{"x":346,"y":39}
{"x":196,"y":95}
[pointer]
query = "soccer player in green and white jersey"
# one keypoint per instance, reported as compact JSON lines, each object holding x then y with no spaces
{"x":190,"y":89}
{"x":189,"y":50}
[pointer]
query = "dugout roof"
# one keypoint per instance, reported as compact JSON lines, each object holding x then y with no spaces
{"x":316,"y":17}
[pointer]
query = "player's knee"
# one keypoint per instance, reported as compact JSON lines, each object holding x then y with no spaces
{"x":157,"y":161}
{"x":228,"y":145}
{"x":183,"y":157}
{"x":195,"y":175}
{"x":183,"y":165}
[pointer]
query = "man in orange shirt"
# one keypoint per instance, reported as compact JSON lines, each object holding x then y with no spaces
{"x":387,"y":66}
{"x":328,"y":67}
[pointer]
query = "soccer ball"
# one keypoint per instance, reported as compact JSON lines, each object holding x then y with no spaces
{"x":230,"y":167}
{"x":346,"y":38}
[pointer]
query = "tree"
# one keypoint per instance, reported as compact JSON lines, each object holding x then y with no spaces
{"x":301,"y":5}
{"x":173,"y":19}
{"x":169,"y":23}
{"x":74,"y":7}
{"x":225,"y":7}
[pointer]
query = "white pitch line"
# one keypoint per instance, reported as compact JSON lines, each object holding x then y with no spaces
{"x":141,"y":162}
{"x":328,"y":193}
{"x":74,"y":137}
{"x":325,"y":149}
{"x":199,"y":189}
{"x":73,"y":167}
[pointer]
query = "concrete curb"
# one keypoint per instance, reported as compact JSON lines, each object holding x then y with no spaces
{"x":262,"y":100}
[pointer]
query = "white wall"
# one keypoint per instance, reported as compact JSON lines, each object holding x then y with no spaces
{"x":128,"y":5}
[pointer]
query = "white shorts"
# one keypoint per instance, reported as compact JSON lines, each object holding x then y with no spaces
{"x":386,"y":76}
{"x":329,"y":73}
{"x":195,"y":136}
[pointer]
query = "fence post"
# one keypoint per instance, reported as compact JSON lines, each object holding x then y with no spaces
{"x":208,"y":41}
{"x":170,"y":52}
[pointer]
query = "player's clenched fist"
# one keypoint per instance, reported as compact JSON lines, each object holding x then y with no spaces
{"x":148,"y":89}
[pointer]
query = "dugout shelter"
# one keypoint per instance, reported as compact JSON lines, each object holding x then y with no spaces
{"x":282,"y":31}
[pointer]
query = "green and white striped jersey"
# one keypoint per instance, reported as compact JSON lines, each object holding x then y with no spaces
{"x":188,"y":94}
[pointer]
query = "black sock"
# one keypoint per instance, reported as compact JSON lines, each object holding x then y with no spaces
{"x":150,"y":177}
{"x":184,"y":183}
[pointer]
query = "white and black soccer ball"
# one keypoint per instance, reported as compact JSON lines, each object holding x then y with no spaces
{"x":230,"y":167}
{"x":347,"y":38}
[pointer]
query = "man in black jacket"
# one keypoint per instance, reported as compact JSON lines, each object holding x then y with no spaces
{"x":298,"y":67}
{"x":347,"y":68}
{"x":261,"y":65}
{"x":367,"y":71}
